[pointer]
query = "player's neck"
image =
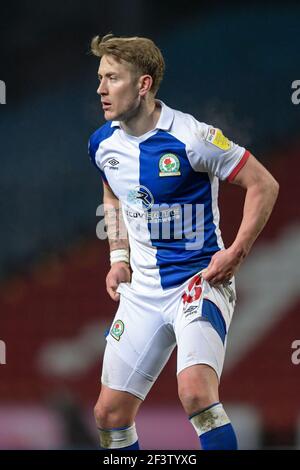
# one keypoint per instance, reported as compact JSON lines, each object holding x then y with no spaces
{"x":144,"y":120}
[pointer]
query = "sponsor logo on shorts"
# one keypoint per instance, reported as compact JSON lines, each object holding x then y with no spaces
{"x":117,"y":329}
{"x":193,"y":291}
{"x":192,"y":309}
{"x":192,"y":296}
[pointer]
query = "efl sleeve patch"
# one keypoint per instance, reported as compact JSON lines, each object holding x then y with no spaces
{"x":216,"y":137}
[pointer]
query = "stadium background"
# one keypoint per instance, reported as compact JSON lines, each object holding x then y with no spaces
{"x":229,"y":65}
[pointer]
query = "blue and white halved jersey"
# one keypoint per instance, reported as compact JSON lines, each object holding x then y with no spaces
{"x":167,"y":183}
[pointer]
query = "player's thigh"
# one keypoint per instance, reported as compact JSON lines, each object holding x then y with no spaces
{"x":120,"y":376}
{"x":199,"y":365}
{"x":199,"y":343}
{"x":138,"y":346}
{"x":201,"y":325}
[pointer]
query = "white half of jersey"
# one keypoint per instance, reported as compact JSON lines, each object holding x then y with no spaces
{"x":167,"y":183}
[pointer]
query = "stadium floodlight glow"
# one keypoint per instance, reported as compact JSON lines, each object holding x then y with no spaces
{"x":2,"y":92}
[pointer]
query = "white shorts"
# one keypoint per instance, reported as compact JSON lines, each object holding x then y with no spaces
{"x":147,"y":327}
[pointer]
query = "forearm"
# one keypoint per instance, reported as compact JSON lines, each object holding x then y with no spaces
{"x":115,"y":226}
{"x":118,"y":243}
{"x":261,"y":194}
{"x":258,"y":206}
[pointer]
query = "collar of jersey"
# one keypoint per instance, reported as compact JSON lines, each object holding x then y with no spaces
{"x":165,"y":119}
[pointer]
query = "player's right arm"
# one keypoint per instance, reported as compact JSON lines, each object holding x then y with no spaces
{"x":118,"y":242}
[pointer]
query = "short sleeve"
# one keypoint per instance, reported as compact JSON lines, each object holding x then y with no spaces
{"x":92,"y":148}
{"x":216,"y":154}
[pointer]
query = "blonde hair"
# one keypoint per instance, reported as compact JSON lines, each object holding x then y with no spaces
{"x":139,"y":51}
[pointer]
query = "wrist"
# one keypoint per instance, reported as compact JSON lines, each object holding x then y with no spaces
{"x":239,"y":251}
{"x":120,"y":255}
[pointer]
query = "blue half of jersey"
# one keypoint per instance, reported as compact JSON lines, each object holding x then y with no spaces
{"x":104,"y":132}
{"x":177,"y":264}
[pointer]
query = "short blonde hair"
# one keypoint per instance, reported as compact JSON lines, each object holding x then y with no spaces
{"x":139,"y":51}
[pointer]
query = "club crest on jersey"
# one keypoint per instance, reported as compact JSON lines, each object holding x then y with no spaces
{"x":169,"y":165}
{"x":141,"y":197}
{"x":216,"y":137}
{"x":117,"y":329}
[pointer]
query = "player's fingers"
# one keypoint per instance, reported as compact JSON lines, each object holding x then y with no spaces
{"x":111,"y":289}
{"x":111,"y":283}
{"x":214,"y":276}
{"x":220,"y":279}
{"x":114,"y":295}
{"x":209,"y":273}
{"x":215,"y":282}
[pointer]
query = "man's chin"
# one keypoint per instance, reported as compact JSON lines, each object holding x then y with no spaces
{"x":110,"y":115}
{"x":107,"y":115}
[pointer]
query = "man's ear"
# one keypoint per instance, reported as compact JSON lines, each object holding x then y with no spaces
{"x":145,"y":84}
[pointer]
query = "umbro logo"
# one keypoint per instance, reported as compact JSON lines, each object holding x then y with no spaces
{"x":113,"y":162}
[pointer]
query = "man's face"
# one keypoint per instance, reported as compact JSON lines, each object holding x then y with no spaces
{"x":118,"y":89}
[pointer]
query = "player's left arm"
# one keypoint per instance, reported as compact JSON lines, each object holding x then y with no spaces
{"x":261,"y":193}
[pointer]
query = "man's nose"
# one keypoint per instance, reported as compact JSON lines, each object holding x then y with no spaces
{"x":102,"y":89}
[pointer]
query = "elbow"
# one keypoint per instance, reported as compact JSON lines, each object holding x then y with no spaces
{"x":271,"y":188}
{"x":275,"y":188}
{"x":268,"y":187}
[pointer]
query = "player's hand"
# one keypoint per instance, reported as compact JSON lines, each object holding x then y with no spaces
{"x":223,"y":265}
{"x":119,"y":272}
